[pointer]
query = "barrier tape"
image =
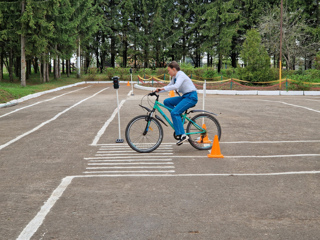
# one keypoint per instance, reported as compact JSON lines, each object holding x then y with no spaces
{"x":227,"y":80}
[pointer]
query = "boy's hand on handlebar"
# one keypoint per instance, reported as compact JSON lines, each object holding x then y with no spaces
{"x":158,"y":90}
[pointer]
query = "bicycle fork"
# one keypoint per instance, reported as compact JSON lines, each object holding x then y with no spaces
{"x":148,"y":124}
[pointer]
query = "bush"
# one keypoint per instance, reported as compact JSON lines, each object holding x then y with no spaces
{"x":110,"y":72}
{"x":299,"y":84}
{"x":209,"y":73}
{"x":161,"y":71}
{"x":92,"y":72}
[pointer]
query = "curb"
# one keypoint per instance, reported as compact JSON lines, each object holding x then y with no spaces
{"x":34,"y":95}
{"x":215,"y":92}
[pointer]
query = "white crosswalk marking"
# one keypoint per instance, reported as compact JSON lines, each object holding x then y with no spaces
{"x":121,"y":159}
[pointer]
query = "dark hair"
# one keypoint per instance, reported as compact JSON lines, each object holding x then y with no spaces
{"x":175,"y":65}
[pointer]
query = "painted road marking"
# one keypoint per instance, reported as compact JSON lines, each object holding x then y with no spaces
{"x":132,"y":161}
{"x":106,"y":124}
{"x":48,"y":121}
{"x":37,"y":221}
{"x":137,"y":171}
{"x":139,"y":163}
{"x":132,"y":167}
{"x":285,"y":103}
{"x":41,"y":102}
{"x":128,"y":157}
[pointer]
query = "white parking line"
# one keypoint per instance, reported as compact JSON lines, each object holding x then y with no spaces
{"x":285,"y":103}
{"x":206,"y":174}
{"x":129,"y":157}
{"x":168,"y":171}
{"x":48,"y":121}
{"x":132,"y":167}
{"x":139,"y":163}
{"x":133,"y":160}
{"x":104,"y":127}
{"x":118,"y":154}
{"x":19,"y":109}
{"x":37,"y":221}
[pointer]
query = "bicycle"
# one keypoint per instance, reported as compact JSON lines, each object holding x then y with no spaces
{"x":144,"y":133}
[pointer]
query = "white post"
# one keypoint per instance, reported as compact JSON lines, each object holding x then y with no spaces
{"x":120,"y":140}
{"x":203,"y":97}
{"x":131,"y":85}
{"x":204,"y":94}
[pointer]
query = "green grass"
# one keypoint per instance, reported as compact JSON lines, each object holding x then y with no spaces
{"x":14,"y":90}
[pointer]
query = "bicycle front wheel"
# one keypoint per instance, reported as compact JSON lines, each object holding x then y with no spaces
{"x":143,"y":136}
{"x":201,"y":131}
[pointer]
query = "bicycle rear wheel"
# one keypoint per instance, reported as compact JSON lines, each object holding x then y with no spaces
{"x":201,"y":131}
{"x":141,"y":140}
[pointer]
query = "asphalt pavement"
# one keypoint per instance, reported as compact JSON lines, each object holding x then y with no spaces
{"x":63,"y":176}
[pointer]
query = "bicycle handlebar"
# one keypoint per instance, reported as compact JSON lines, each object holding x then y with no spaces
{"x":153,"y":94}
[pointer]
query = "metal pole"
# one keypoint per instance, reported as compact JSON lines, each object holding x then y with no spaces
{"x":131,"y":85}
{"x":120,"y":140}
{"x":203,"y":97}
{"x":280,"y":64}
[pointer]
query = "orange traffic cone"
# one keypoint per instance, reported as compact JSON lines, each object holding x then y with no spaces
{"x":205,"y":139}
{"x":215,"y":151}
{"x":171,"y":93}
{"x":128,"y":84}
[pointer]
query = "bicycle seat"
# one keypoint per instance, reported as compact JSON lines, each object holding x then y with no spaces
{"x":189,"y":108}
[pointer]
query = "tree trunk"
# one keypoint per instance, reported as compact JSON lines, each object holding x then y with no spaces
{"x":23,"y":52}
{"x":59,"y":68}
{"x":1,"y":65}
{"x":35,"y":65}
{"x":56,"y":63}
{"x":68,"y":67}
{"x":10,"y":69}
{"x":78,"y":61}
{"x":113,"y":52}
{"x":219,"y":63}
{"x":63,"y":72}
{"x":41,"y":74}
{"x":234,"y":60}
{"x":48,"y":73}
{"x":44,"y":72}
{"x":27,"y":70}
{"x":125,"y":52}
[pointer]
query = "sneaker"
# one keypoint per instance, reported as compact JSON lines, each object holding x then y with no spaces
{"x":182,"y":140}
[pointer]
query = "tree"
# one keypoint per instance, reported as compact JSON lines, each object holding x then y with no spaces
{"x":296,"y":36}
{"x":255,"y":58}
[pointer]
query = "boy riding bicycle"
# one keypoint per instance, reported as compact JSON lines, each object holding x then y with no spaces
{"x":182,"y":83}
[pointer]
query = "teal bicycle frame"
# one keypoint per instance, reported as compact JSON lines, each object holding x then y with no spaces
{"x":157,"y":106}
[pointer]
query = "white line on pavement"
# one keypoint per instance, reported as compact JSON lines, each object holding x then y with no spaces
{"x":36,"y":222}
{"x":158,"y":150}
{"x":132,"y":160}
{"x":141,"y":167}
{"x":41,"y":102}
{"x":133,"y":157}
{"x":139,"y":163}
{"x":104,"y":127}
{"x":205,"y":174}
{"x":143,"y":171}
{"x":48,"y":121}
{"x":116,"y":154}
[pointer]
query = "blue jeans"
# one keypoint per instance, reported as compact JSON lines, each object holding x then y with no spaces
{"x":178,"y":106}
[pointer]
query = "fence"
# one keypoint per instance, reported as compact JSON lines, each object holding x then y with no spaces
{"x":233,"y":83}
